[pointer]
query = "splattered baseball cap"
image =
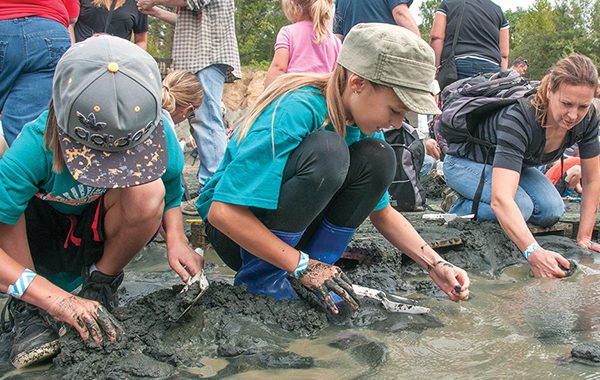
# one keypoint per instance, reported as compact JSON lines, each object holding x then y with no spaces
{"x":395,"y":57}
{"x":107,"y":99}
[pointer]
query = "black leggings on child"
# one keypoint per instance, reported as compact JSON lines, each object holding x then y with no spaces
{"x":323,"y":178}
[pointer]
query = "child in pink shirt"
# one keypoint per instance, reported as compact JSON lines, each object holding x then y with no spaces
{"x":308,"y":45}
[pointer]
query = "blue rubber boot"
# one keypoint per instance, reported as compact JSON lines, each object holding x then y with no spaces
{"x":263,"y":278}
{"x":328,"y":244}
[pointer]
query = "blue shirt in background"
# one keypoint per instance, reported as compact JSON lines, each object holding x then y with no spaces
{"x":351,"y":12}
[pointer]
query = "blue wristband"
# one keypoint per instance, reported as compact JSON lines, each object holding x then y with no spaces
{"x":20,"y":286}
{"x":302,"y":265}
{"x":530,"y":249}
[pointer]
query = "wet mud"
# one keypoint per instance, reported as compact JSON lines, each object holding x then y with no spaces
{"x":251,"y":332}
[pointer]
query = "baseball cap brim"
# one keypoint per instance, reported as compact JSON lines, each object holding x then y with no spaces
{"x":421,"y":102}
{"x":143,"y":163}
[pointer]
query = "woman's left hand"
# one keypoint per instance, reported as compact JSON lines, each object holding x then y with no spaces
{"x":453,"y":280}
{"x":588,"y":244}
{"x":184,"y":260}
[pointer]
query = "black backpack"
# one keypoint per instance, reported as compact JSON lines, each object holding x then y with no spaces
{"x":469,"y":101}
{"x":406,"y":191}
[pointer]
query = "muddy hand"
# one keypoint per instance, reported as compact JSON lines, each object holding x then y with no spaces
{"x":545,"y":263}
{"x":89,"y":318}
{"x":453,"y":280}
{"x":184,"y":260}
{"x":324,"y":278}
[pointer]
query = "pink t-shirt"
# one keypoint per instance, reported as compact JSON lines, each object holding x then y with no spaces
{"x":306,"y":56}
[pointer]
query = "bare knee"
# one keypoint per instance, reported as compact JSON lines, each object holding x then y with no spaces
{"x":141,"y":204}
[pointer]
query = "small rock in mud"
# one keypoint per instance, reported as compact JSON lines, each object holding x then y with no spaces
{"x":364,"y":350}
{"x":587,"y":353}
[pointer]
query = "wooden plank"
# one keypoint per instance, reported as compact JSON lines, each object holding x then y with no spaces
{"x":561,"y":229}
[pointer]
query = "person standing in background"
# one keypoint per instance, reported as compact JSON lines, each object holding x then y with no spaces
{"x":205,"y":44}
{"x":33,"y":37}
{"x":483,"y":36}
{"x":351,"y":12}
{"x":126,"y":20}
{"x":306,"y":46}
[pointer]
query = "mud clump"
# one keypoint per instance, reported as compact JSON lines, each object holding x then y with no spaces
{"x":587,"y":353}
{"x":228,"y":322}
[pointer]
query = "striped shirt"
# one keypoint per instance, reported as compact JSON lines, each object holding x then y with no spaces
{"x":517,"y":143}
{"x":205,"y":35}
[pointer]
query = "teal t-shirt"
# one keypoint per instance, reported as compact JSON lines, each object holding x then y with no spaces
{"x":251,"y":171}
{"x":26,"y":171}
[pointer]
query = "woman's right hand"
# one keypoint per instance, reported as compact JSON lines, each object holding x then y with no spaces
{"x":545,"y":263}
{"x":323,"y":278}
{"x":89,"y":318}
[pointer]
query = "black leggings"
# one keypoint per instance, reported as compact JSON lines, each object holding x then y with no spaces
{"x":323,"y":178}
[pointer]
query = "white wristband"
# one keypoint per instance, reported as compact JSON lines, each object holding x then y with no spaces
{"x":530,"y":249}
{"x":20,"y":286}
{"x":302,"y":265}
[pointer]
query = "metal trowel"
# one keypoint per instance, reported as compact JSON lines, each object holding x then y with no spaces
{"x":401,"y":305}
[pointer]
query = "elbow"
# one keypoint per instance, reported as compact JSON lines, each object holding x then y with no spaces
{"x":217,"y":214}
{"x":498,"y":204}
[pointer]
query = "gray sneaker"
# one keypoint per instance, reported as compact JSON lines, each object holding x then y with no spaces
{"x":35,"y":338}
{"x":449,"y":198}
{"x":100,"y":287}
{"x":189,"y":207}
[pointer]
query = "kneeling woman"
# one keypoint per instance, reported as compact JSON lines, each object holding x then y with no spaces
{"x":302,"y":173}
{"x":83,"y":189}
{"x":515,"y":191}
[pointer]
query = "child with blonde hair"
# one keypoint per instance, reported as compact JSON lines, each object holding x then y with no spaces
{"x":181,"y":94}
{"x":308,"y":45}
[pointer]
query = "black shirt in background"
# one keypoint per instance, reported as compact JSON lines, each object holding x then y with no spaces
{"x":127,"y":19}
{"x":479,"y":34}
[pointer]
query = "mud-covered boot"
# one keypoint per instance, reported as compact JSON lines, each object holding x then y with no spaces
{"x":261,"y":277}
{"x":101,"y":287}
{"x":35,"y":338}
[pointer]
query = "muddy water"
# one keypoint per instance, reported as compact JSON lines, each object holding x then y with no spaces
{"x":513,"y":327}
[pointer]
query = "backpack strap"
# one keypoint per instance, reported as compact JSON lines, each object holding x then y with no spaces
{"x":457,"y":29}
{"x":111,"y":11}
{"x":530,"y":119}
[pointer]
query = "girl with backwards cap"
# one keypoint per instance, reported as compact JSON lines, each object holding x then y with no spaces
{"x":309,"y":164}
{"x":82,"y":190}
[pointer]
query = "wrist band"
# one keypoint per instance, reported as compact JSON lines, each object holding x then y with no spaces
{"x":302,"y":265}
{"x":530,"y":249}
{"x":20,"y":286}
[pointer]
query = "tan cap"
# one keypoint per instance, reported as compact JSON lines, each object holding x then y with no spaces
{"x":395,"y":57}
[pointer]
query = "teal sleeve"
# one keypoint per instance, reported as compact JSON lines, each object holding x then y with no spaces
{"x":253,"y":177}
{"x":25,"y":165}
{"x":172,"y":176}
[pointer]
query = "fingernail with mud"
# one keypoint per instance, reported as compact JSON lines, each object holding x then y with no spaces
{"x":457,"y":289}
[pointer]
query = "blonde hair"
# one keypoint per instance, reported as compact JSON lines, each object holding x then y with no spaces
{"x":320,"y":12}
{"x":106,"y":3}
{"x":51,"y":140}
{"x":181,"y":88}
{"x":575,"y":70}
{"x":330,"y":85}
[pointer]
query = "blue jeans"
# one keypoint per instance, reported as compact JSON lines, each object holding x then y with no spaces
{"x":30,"y":47}
{"x":536,"y":197}
{"x":207,"y":124}
{"x":466,"y":67}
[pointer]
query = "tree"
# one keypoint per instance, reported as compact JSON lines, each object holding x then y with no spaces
{"x":257,"y":25}
{"x":427,"y":10}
